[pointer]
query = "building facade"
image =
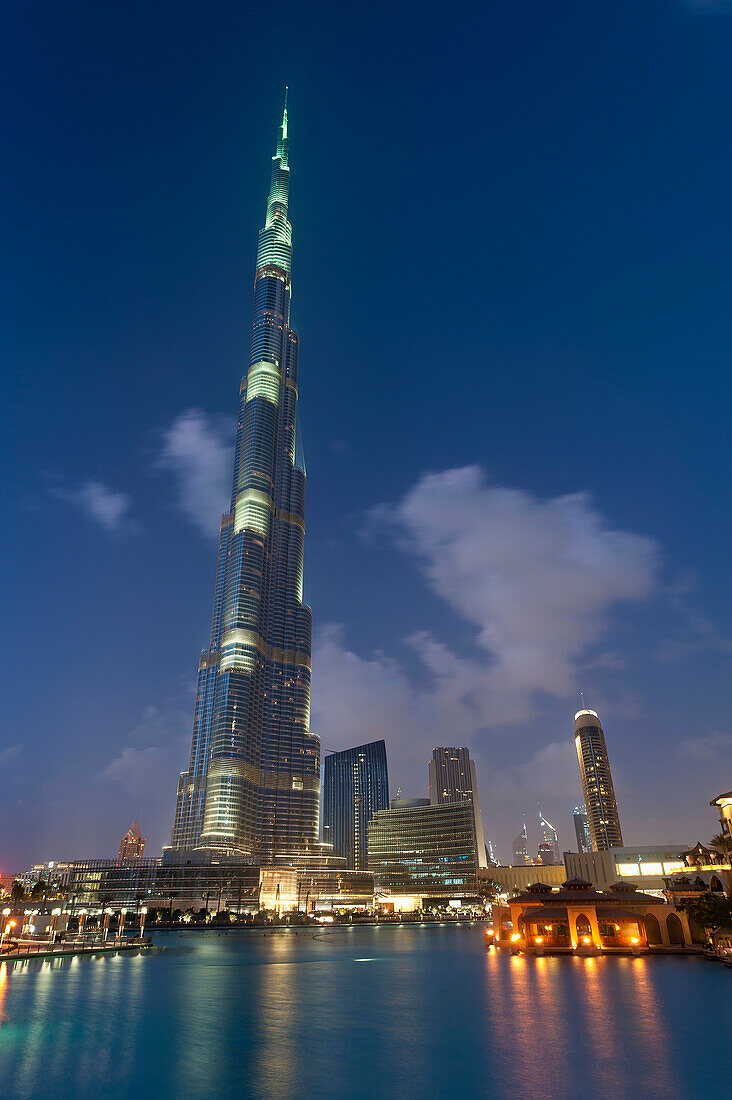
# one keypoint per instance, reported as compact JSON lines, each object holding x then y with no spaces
{"x":597,"y":781}
{"x":252,"y":784}
{"x":355,"y":786}
{"x":452,"y":778}
{"x":521,"y":846}
{"x":132,"y":845}
{"x":424,"y":850}
{"x":582,"y":829}
{"x":645,"y":865}
{"x":549,"y":842}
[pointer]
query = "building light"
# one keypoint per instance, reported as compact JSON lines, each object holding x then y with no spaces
{"x":538,"y":939}
{"x":587,"y":939}
{"x":515,"y":936}
{"x":634,"y":939}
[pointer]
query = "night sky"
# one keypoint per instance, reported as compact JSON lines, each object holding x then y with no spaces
{"x":511,"y":228}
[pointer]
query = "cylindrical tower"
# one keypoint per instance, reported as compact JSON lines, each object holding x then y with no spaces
{"x":597,"y":782}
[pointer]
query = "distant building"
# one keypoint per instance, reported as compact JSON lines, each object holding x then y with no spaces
{"x":646,"y":866}
{"x":521,"y":846}
{"x":355,"y":786}
{"x":512,"y":880}
{"x":132,"y":844}
{"x":582,"y":829}
{"x":597,"y":781}
{"x":723,"y":803}
{"x":549,"y":845}
{"x":452,"y":778}
{"x":424,"y":850}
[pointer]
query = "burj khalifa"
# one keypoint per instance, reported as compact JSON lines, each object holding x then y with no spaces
{"x":252,"y":788}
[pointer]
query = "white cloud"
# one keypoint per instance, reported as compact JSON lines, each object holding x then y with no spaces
{"x":713,"y":746}
{"x":536,"y":578}
{"x":197,"y":451}
{"x":10,"y":753}
{"x":156,"y":752}
{"x":101,"y":504}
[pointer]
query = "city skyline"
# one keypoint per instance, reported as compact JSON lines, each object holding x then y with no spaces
{"x":514,"y":489}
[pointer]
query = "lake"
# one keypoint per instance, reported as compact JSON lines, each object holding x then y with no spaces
{"x":411,"y":1011}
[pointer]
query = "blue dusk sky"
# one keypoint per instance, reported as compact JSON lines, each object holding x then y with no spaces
{"x":511,"y":225}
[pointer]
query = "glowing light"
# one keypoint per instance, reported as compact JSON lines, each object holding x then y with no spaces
{"x":538,"y":939}
{"x":515,"y":936}
{"x":587,"y":939}
{"x":634,"y":939}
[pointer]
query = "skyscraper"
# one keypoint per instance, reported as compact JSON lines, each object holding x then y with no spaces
{"x":132,"y":844}
{"x":597,"y":782}
{"x":452,"y":778}
{"x":252,"y":785}
{"x":355,"y":786}
{"x":582,"y":829}
{"x":521,"y":846}
{"x":423,"y":849}
{"x":549,"y":840}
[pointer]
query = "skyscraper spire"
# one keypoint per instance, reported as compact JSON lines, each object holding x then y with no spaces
{"x":253,"y":784}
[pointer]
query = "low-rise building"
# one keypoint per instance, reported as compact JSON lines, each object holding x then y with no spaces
{"x":579,"y":919}
{"x":512,"y":880}
{"x":647,"y":866}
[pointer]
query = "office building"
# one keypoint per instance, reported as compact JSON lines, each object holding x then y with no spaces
{"x":521,"y":846}
{"x":252,"y":788}
{"x":646,"y":866}
{"x":132,"y":845}
{"x":597,"y":781}
{"x":582,"y":829}
{"x":452,"y":778}
{"x":549,"y":841}
{"x":355,"y":786}
{"x":425,"y":850}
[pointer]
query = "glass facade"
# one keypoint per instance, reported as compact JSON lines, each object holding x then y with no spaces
{"x":427,"y":850}
{"x":156,"y":882}
{"x":355,"y":786}
{"x":597,"y":782}
{"x":582,"y":829}
{"x":252,"y":787}
{"x":452,"y":778}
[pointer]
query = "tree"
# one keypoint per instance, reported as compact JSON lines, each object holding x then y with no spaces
{"x":711,"y":912}
{"x":488,"y":888}
{"x":719,"y":840}
{"x":17,"y":892}
{"x":38,"y":890}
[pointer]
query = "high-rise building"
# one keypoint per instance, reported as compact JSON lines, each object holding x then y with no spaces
{"x":132,"y":844}
{"x":355,"y":786}
{"x":597,"y":782}
{"x":582,"y":829}
{"x":252,"y":787}
{"x":427,"y":850}
{"x":521,"y":846}
{"x":548,"y":839}
{"x":452,"y":778}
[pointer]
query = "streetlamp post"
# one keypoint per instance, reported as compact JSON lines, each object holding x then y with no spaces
{"x":121,"y":923}
{"x":10,"y":925}
{"x":143,"y":913}
{"x":107,"y":915}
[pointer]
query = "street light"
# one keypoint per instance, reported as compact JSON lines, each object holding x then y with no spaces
{"x":143,"y":913}
{"x":8,"y":926}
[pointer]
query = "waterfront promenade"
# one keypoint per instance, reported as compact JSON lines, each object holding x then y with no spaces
{"x":359,"y":1012}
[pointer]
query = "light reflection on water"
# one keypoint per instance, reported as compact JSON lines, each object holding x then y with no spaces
{"x":418,"y":1011}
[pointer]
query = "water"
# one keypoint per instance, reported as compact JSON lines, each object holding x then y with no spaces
{"x":413,"y":1011}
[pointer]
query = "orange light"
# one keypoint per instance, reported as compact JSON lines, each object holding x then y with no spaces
{"x":634,"y":939}
{"x":538,"y":939}
{"x":515,"y":936}
{"x":587,"y":939}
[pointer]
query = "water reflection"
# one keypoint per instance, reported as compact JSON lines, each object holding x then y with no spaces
{"x":411,"y":1012}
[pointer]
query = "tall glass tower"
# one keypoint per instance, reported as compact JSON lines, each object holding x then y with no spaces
{"x":252,"y":787}
{"x":452,"y":778}
{"x":597,"y":782}
{"x":355,"y":786}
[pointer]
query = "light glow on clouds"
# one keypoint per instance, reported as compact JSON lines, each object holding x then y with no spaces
{"x":197,"y":450}
{"x":536,"y":579}
{"x":101,"y":504}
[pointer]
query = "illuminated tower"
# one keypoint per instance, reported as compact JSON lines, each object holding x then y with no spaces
{"x":355,"y":786}
{"x":549,"y":840}
{"x":452,"y":778}
{"x":597,"y":782}
{"x":253,"y":783}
